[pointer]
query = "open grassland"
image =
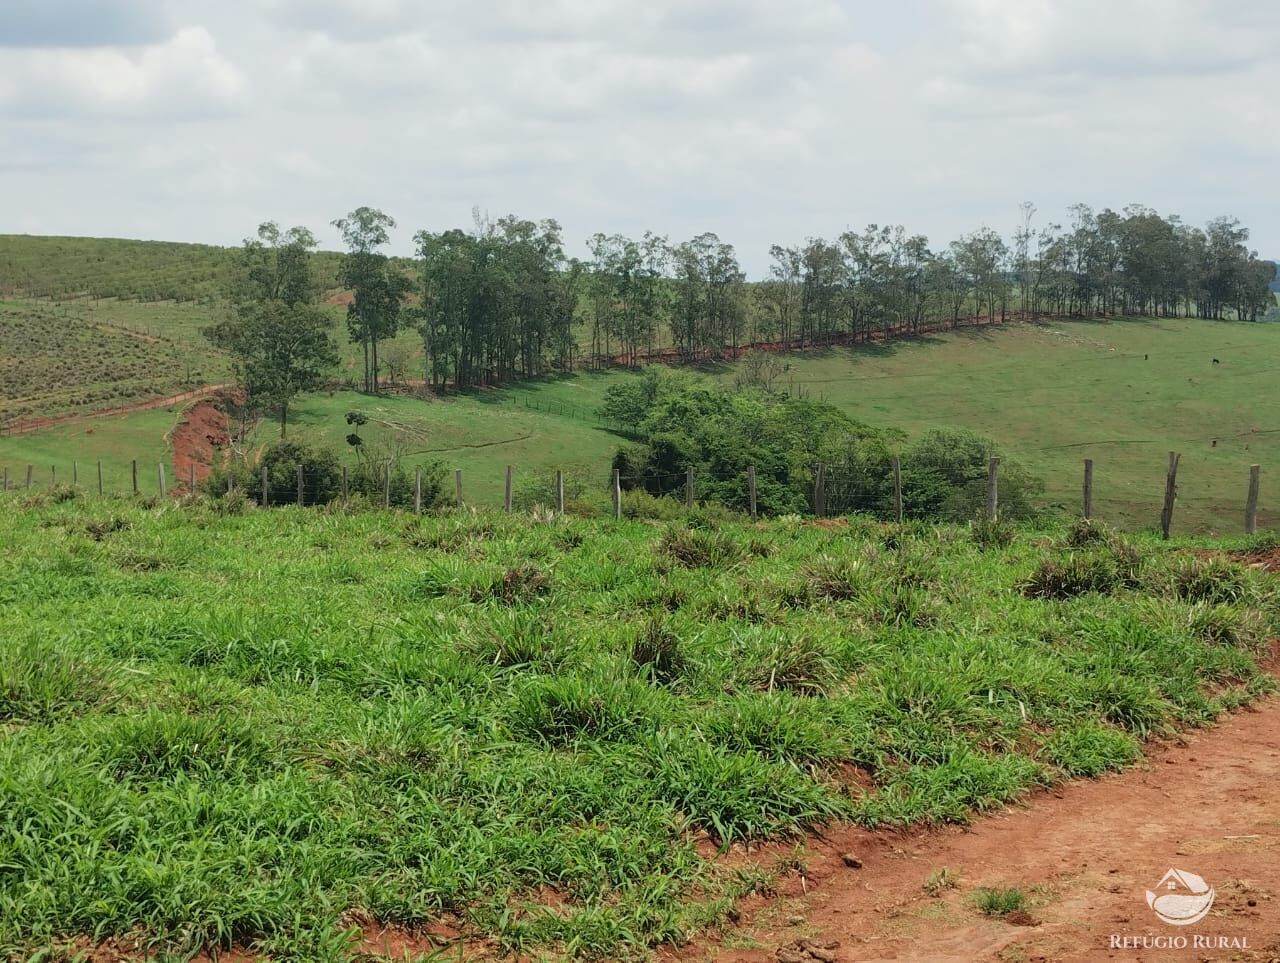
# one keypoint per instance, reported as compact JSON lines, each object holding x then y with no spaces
{"x":1124,"y":393}
{"x":269,"y":728}
{"x":84,"y":441}
{"x":538,"y":428}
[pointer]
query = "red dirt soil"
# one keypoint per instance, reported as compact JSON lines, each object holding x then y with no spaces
{"x":1267,"y":559}
{"x":200,"y":432}
{"x":1086,"y":853}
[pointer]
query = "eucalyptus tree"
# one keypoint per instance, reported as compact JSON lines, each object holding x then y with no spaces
{"x":378,"y":289}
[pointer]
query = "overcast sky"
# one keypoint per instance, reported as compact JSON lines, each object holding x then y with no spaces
{"x":762,"y":120}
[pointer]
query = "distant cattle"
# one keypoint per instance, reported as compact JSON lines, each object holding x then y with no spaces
{"x":1216,"y":361}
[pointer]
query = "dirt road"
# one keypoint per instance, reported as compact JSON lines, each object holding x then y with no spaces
{"x":36,"y":424}
{"x":1086,"y":854}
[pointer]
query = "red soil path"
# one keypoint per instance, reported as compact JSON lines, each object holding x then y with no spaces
{"x":35,"y":424}
{"x":1087,"y":853}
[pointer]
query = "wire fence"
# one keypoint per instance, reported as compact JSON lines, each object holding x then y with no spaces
{"x":891,"y":492}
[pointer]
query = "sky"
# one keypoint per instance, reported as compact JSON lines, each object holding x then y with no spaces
{"x":765,"y":121}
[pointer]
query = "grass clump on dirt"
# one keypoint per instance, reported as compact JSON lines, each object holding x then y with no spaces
{"x":527,"y":729}
{"x":995,"y":901}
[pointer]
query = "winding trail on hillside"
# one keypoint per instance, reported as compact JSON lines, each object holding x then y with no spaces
{"x":1087,"y":852}
{"x":26,"y":425}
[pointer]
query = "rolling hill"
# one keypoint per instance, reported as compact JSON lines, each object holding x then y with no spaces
{"x":1122,"y":392}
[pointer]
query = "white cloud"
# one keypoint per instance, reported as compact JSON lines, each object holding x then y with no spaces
{"x":764,"y":120}
{"x":184,"y":76}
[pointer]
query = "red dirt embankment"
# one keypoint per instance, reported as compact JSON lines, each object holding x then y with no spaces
{"x":1086,"y":854}
{"x":200,"y":433}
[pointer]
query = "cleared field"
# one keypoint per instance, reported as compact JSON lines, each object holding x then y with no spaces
{"x":283,"y":728}
{"x":1124,"y":393}
{"x":479,"y":433}
{"x":115,"y":441}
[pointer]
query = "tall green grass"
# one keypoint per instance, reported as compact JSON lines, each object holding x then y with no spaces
{"x":266,"y":729}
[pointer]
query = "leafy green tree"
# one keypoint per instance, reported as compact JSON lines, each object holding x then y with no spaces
{"x":277,"y":337}
{"x":944,"y":476}
{"x":376,"y":311}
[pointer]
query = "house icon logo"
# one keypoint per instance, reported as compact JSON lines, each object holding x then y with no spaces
{"x":1181,"y":898}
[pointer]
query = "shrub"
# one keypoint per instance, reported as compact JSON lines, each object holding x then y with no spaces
{"x":1213,"y":580}
{"x":40,"y":682}
{"x":834,"y":578}
{"x":1078,"y":574}
{"x":369,"y":478}
{"x":696,"y":548}
{"x":656,"y":652}
{"x":560,"y":711}
{"x":1090,"y":749}
{"x":944,"y":476}
{"x":988,"y":532}
{"x":637,"y":503}
{"x":1085,"y":531}
{"x":520,"y":583}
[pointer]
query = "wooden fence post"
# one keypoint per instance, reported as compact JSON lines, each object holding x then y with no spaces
{"x":133,"y":471}
{"x":993,"y":487}
{"x":751,"y":488}
{"x":28,"y":475}
{"x":345,"y":487}
{"x":559,"y":492}
{"x":457,"y":486}
{"x":1251,"y":505}
{"x":417,"y":489}
{"x":506,"y":490}
{"x":1087,"y":499}
{"x":53,"y":475}
{"x":386,"y":485}
{"x":300,"y":486}
{"x":231,"y":478}
{"x":617,"y":494}
{"x":688,"y":488}
{"x":75,"y":473}
{"x":99,"y":478}
{"x":820,"y":490}
{"x":6,"y":478}
{"x":897,"y":488}
{"x":1170,"y":494}
{"x":191,"y":481}
{"x":266,"y":491}
{"x":160,"y":476}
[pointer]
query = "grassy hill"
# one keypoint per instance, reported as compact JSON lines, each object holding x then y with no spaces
{"x":264,"y":729}
{"x":1123,"y":392}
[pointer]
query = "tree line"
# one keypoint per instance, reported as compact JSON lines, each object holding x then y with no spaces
{"x":502,"y":300}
